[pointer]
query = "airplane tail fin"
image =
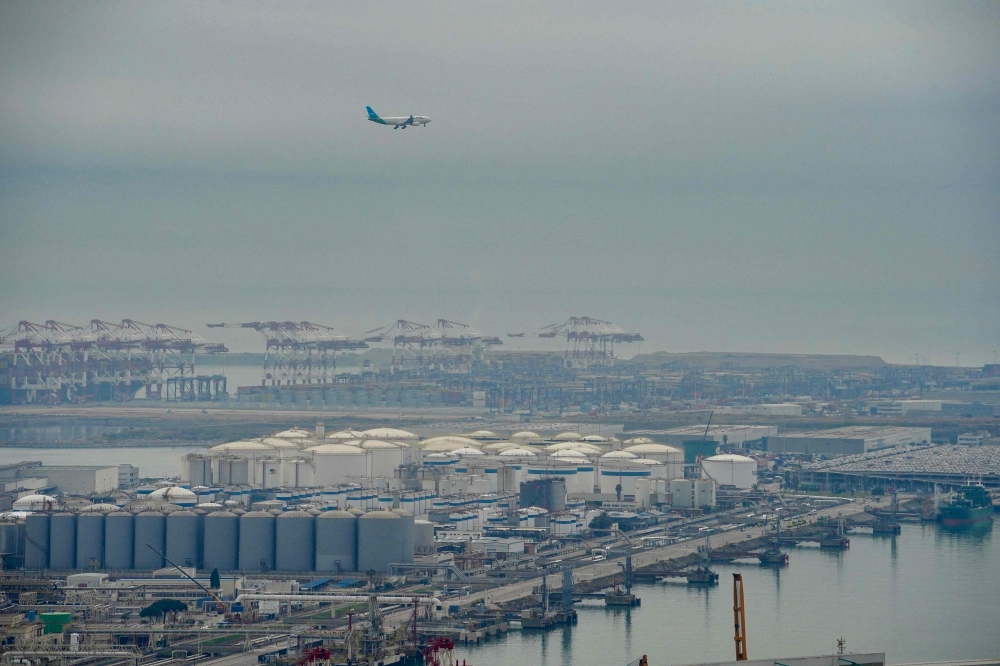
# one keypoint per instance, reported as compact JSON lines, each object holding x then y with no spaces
{"x":371,"y":114}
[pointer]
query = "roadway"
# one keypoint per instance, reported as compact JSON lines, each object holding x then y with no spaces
{"x":646,"y":557}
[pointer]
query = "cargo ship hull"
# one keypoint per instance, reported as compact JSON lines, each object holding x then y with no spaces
{"x":965,"y":515}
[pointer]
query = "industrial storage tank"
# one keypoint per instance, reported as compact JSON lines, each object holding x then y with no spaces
{"x":731,"y":470}
{"x":385,"y":456}
{"x":119,"y":540}
{"x":406,"y":548}
{"x":379,"y":540}
{"x":221,"y":543}
{"x":257,"y":541}
{"x":150,"y":528}
{"x":295,"y":541}
{"x":36,"y":536}
{"x":12,"y":531}
{"x":90,"y":539}
{"x":62,"y":541}
{"x":182,"y":538}
{"x":672,"y":457}
{"x":336,"y":462}
{"x":337,"y":541}
{"x":423,"y":536}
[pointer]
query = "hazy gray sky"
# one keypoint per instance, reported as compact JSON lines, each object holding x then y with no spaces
{"x":759,"y":177}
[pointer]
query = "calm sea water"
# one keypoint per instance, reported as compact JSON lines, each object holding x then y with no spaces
{"x":152,"y":461}
{"x":925,"y":595}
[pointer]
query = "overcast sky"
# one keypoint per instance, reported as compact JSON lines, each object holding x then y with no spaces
{"x":784,"y":177}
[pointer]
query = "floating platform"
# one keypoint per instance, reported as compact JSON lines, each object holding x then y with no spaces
{"x":622,"y":600}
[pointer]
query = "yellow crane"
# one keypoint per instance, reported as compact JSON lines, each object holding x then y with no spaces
{"x":739,"y":613}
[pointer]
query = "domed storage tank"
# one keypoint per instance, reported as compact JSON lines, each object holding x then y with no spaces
{"x":295,"y":541}
{"x":731,"y":470}
{"x":62,"y":541}
{"x":335,"y":462}
{"x":379,"y":540}
{"x":119,"y":540}
{"x":406,"y":546}
{"x":150,"y":528}
{"x":257,"y":541}
{"x":337,"y":541}
{"x":182,"y":538}
{"x":222,"y":540}
{"x":90,"y":539}
{"x":36,"y":547}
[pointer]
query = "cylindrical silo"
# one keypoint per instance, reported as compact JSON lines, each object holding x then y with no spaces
{"x":408,"y":533}
{"x":62,"y":541}
{"x":119,"y":540}
{"x":379,"y":540}
{"x":150,"y":530}
{"x":90,"y":539}
{"x":337,"y":541}
{"x":221,"y":544}
{"x":423,"y":536}
{"x":257,"y":541}
{"x":295,"y":541}
{"x":36,"y":548}
{"x":182,"y":538}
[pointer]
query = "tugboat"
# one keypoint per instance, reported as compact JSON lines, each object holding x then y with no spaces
{"x":773,"y":555}
{"x":836,"y":540}
{"x":883,"y":525}
{"x":702,"y":576}
{"x":972,"y":505}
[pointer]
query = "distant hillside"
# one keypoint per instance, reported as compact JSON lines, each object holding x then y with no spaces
{"x":755,"y":361}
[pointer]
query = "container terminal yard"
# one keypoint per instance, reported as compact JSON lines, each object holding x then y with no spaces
{"x":386,"y":546}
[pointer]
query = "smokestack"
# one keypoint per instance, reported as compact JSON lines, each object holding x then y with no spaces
{"x":320,"y":429}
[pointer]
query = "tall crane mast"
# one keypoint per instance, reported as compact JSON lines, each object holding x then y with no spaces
{"x":740,"y":617}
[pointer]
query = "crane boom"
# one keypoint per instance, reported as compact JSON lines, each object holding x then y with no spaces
{"x":739,"y":613}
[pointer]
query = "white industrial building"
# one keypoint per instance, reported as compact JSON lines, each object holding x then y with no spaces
{"x":850,"y":440}
{"x":741,"y":436}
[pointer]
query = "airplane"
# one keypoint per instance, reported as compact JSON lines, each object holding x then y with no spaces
{"x":398,"y":122}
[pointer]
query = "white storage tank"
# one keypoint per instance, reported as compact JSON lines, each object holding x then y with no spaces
{"x":150,"y":528}
{"x":221,"y":542}
{"x":62,"y":541}
{"x":257,"y":541}
{"x":337,"y":541}
{"x":731,"y":470}
{"x":670,"y":456}
{"x":119,"y":540}
{"x":337,"y":462}
{"x":182,"y":538}
{"x":423,"y":536}
{"x":379,"y":540}
{"x":295,"y":538}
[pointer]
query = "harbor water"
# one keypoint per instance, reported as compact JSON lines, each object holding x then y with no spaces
{"x":928,"y":594}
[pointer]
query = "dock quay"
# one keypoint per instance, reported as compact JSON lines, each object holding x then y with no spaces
{"x":474,"y":631}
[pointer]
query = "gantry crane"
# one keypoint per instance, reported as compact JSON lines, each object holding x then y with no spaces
{"x":298,"y":352}
{"x":589,"y":341}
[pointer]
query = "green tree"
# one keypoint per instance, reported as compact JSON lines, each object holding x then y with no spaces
{"x":602,"y":521}
{"x":162,"y":607}
{"x":213,"y":580}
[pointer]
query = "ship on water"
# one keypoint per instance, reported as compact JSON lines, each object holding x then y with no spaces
{"x":972,"y":505}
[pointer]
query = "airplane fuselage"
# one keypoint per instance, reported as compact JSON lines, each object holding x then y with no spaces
{"x":398,"y":122}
